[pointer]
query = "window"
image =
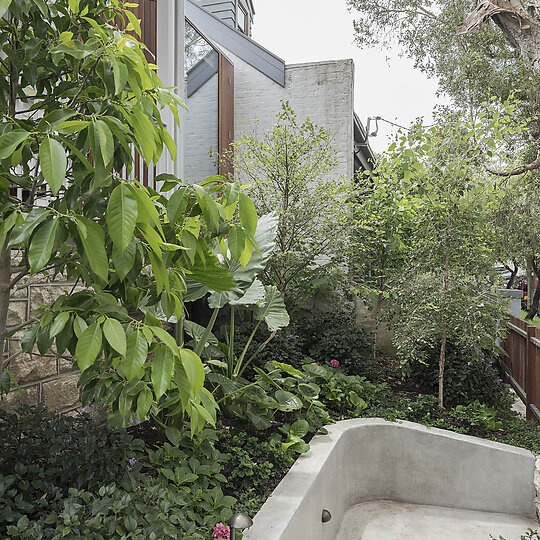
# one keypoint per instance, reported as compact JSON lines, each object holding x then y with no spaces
{"x":209,"y":121}
{"x":242,"y":19}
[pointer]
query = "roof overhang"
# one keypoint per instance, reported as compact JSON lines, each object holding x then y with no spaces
{"x":236,"y":42}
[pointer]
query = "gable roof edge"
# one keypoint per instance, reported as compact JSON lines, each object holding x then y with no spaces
{"x":236,"y":42}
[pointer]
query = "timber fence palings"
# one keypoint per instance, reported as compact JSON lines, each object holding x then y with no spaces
{"x":522,"y":345}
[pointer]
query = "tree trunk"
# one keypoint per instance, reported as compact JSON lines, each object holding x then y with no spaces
{"x":442,"y":359}
{"x":442,"y":356}
{"x":5,"y":278}
{"x":531,"y":282}
{"x":533,"y":310}
{"x":519,"y":24}
{"x":513,"y":275}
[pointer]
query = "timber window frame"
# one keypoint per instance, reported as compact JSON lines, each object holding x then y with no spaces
{"x":242,"y":19}
{"x":225,"y":72}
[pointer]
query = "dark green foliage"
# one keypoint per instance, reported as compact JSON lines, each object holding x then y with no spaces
{"x":252,"y":466}
{"x":193,"y":462}
{"x":470,"y":374}
{"x":334,"y":335}
{"x":148,"y":512}
{"x":344,"y":396}
{"x":476,"y":415}
{"x":518,"y":432}
{"x":315,"y":337}
{"x":43,"y":455}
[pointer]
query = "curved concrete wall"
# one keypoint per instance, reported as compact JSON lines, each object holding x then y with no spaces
{"x":370,"y":459}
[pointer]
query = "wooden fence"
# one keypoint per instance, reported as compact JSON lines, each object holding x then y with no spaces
{"x":522,"y":344}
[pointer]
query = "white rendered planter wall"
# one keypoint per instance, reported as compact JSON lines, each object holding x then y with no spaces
{"x":371,"y":459}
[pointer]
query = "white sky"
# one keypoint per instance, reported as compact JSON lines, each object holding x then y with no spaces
{"x":313,"y":30}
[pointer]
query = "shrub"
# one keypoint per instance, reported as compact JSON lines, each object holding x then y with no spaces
{"x":149,"y":511}
{"x":314,"y":337}
{"x":334,"y":335}
{"x":43,"y":455}
{"x":476,"y":416}
{"x":252,"y":467}
{"x":470,"y":374}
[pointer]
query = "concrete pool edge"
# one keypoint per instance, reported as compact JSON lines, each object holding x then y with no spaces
{"x":372,"y":459}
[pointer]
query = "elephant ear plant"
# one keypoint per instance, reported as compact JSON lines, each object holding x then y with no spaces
{"x":263,"y":301}
{"x":256,"y":401}
{"x":77,"y":97}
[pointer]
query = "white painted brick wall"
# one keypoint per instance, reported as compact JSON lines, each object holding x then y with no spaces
{"x":322,"y":91}
{"x":201,"y":132}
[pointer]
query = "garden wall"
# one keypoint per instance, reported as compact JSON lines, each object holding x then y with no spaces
{"x":41,"y":379}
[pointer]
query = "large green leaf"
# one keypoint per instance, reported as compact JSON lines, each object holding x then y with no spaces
{"x":10,"y":141}
{"x":177,"y":204}
{"x":4,"y":6}
{"x":162,"y":370}
{"x":287,"y":401}
{"x":248,"y":214}
{"x":93,"y":241}
{"x":59,"y":323}
{"x":210,"y":273}
{"x":144,"y":402}
{"x":273,"y":311}
{"x":123,"y":262}
{"x":115,"y":335}
{"x":255,"y":294}
{"x":236,"y":242}
{"x":53,"y":162}
{"x":136,"y":353}
{"x":106,"y":141}
{"x":41,"y":245}
{"x":194,"y":370}
{"x":122,"y":212}
{"x":88,"y":346}
{"x":265,"y":237}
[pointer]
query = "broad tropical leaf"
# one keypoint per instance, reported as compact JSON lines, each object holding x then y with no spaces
{"x":122,"y":212}
{"x":273,"y":311}
{"x":53,"y":162}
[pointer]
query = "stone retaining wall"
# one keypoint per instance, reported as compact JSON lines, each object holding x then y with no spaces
{"x":44,"y":379}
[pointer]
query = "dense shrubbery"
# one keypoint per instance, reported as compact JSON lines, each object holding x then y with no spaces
{"x":470,"y":374}
{"x":315,"y":337}
{"x":43,"y":455}
{"x":252,"y":467}
{"x":66,"y":476}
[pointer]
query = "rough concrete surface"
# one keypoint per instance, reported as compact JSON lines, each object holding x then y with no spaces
{"x":366,"y":460}
{"x":388,"y":520}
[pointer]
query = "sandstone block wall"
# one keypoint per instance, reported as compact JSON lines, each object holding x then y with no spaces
{"x":47,"y":379}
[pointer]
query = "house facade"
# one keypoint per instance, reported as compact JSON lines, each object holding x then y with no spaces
{"x":257,"y":82}
{"x":231,"y":86}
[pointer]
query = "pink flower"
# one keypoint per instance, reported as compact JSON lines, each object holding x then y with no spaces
{"x":313,"y":363}
{"x":334,"y":363}
{"x":221,"y":531}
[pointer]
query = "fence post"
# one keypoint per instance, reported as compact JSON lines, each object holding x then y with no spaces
{"x":530,"y":369}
